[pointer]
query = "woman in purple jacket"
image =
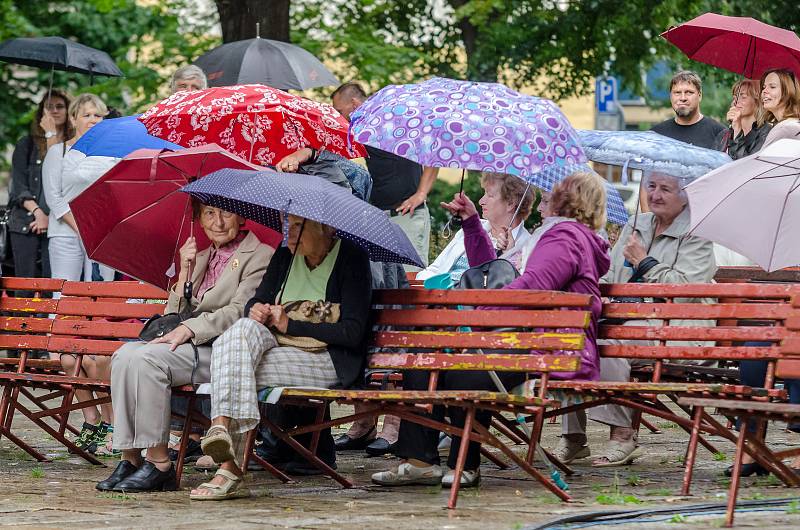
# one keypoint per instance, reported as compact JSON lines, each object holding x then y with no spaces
{"x":564,"y":254}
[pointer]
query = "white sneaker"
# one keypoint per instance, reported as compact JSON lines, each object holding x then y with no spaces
{"x":469,"y":479}
{"x":409,"y":474}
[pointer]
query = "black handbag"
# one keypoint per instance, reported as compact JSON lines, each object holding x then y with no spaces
{"x":494,"y":274}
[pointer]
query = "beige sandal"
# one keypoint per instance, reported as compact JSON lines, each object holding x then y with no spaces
{"x":232,"y":488}
{"x":618,"y":453}
{"x":217,"y":444}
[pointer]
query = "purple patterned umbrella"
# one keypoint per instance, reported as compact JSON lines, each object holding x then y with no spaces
{"x":462,"y":124}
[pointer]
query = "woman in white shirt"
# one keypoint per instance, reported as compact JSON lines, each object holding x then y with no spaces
{"x":504,"y":195}
{"x":64,"y":177}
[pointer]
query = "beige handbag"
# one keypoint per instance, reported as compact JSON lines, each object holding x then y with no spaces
{"x":307,"y":311}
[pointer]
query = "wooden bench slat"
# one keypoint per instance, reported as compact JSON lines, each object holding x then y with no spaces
{"x":94,"y":328}
{"x":478,"y":297}
{"x":642,"y":311}
{"x":708,"y":290}
{"x":469,"y":361}
{"x":790,"y":409}
{"x":54,"y":379}
{"x":788,"y":369}
{"x":47,"y":364}
{"x":113,"y":290}
{"x":28,"y":305}
{"x":488,"y":340}
{"x":31,"y":284}
{"x":690,"y":352}
{"x":68,"y":306}
{"x":733,"y":333}
{"x":656,"y":388}
{"x":511,"y":318}
{"x":416,"y":396}
{"x":23,"y":342}
{"x":82,"y":346}
{"x":26,"y":324}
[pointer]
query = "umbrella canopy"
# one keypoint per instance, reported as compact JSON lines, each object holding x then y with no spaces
{"x":134,"y":220}
{"x":265,"y":62}
{"x":263,"y":195}
{"x":119,"y":137}
{"x":741,"y":45}
{"x":256,"y":122}
{"x":468,"y":125}
{"x":752,"y":205}
{"x":59,"y":54}
{"x":651,"y":152}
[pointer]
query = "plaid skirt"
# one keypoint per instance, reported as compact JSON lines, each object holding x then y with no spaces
{"x":247,"y":358}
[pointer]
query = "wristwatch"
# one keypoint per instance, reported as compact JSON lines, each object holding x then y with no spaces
{"x":49,"y":134}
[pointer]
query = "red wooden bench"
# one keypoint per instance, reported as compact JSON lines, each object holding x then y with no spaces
{"x":427,"y":331}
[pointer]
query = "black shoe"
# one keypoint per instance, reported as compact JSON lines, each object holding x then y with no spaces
{"x":304,"y":468}
{"x":270,"y":455}
{"x":345,"y":443}
{"x":748,"y":469}
{"x":193,"y":452}
{"x":148,"y":478}
{"x":379,"y":447}
{"x":124,"y":470}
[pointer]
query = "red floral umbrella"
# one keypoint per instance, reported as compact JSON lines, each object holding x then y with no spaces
{"x":256,"y":122}
{"x":134,"y":218}
{"x":741,"y":45}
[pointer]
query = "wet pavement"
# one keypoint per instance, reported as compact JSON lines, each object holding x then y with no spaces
{"x":61,"y":493}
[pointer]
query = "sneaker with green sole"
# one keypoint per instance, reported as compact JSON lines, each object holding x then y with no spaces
{"x":85,"y":439}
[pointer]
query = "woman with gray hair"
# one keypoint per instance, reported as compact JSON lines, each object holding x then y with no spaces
{"x":658,"y":250}
{"x":189,"y":78}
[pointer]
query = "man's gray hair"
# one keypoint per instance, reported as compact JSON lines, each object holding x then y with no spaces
{"x":188,"y":72}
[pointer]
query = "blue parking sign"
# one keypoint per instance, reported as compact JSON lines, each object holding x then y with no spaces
{"x":605,"y":94}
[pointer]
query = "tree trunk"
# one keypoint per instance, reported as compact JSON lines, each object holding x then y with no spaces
{"x":238,"y":19}
{"x":482,"y":64}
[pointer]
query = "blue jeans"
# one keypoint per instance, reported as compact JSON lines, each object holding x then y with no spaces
{"x":754,"y":373}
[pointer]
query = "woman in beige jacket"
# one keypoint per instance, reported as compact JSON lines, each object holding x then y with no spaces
{"x":225,"y":277}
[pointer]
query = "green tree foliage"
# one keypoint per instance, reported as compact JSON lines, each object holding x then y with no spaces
{"x":147,"y":40}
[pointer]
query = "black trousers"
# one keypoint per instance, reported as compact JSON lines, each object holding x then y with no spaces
{"x":291,"y":416}
{"x":421,"y":443}
{"x":31,"y":257}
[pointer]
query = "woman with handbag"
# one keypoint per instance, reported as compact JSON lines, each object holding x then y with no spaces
{"x":567,"y":255}
{"x":305,"y":326}
{"x":28,"y":210}
{"x":224,"y":277}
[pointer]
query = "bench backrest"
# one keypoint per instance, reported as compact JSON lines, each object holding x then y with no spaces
{"x":433,"y":330}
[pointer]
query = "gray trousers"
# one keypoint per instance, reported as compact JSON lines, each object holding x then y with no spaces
{"x":142,"y":377}
{"x":417,"y":227}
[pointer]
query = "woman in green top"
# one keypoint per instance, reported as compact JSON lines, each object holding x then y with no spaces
{"x":269,"y":348}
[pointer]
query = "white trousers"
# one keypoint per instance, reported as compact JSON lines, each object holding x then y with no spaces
{"x":68,"y":260}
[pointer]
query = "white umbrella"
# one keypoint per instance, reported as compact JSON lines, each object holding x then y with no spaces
{"x":752,"y":205}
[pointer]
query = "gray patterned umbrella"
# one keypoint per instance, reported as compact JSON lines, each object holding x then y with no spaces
{"x":262,"y":196}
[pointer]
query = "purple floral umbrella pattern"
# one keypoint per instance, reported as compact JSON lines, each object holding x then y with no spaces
{"x":467,"y":125}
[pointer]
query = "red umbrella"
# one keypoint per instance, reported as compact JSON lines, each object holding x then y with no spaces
{"x":256,"y":122}
{"x":134,"y":219}
{"x":741,"y":45}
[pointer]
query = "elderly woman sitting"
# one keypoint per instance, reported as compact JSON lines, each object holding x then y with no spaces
{"x":142,"y":373}
{"x":566,"y":255}
{"x":658,"y":250}
{"x":505,"y":204}
{"x":269,"y":348}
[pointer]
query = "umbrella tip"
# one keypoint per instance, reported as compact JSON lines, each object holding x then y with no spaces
{"x":258,"y":30}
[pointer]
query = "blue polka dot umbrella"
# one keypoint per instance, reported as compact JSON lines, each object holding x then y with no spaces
{"x":468,"y":125}
{"x":262,"y":196}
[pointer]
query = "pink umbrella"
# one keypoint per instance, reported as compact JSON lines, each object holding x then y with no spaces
{"x":741,"y":45}
{"x":134,"y":218}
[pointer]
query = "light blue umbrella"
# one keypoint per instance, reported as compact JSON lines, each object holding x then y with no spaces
{"x":119,"y":137}
{"x":652,"y":153}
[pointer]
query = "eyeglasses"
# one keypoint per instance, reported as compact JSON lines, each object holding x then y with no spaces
{"x":212,"y":214}
{"x":57,"y":106}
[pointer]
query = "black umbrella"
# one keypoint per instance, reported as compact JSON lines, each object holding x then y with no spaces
{"x":267,"y":62}
{"x":57,"y":53}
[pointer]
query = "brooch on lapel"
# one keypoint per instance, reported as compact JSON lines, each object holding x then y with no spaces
{"x":234,"y":264}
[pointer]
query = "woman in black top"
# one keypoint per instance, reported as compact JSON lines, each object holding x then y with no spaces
{"x":744,"y":137}
{"x":28,"y":209}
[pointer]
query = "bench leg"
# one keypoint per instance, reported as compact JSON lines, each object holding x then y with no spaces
{"x":735,"y":476}
{"x":184,"y":445}
{"x":249,"y":455}
{"x":691,"y":450}
{"x":41,"y":402}
{"x":5,"y":402}
{"x":509,"y":429}
{"x":59,"y":436}
{"x":462,"y":457}
{"x":650,"y":427}
{"x":538,"y":423}
{"x":305,"y":453}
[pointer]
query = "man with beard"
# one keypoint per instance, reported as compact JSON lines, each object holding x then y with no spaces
{"x":689,"y":124}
